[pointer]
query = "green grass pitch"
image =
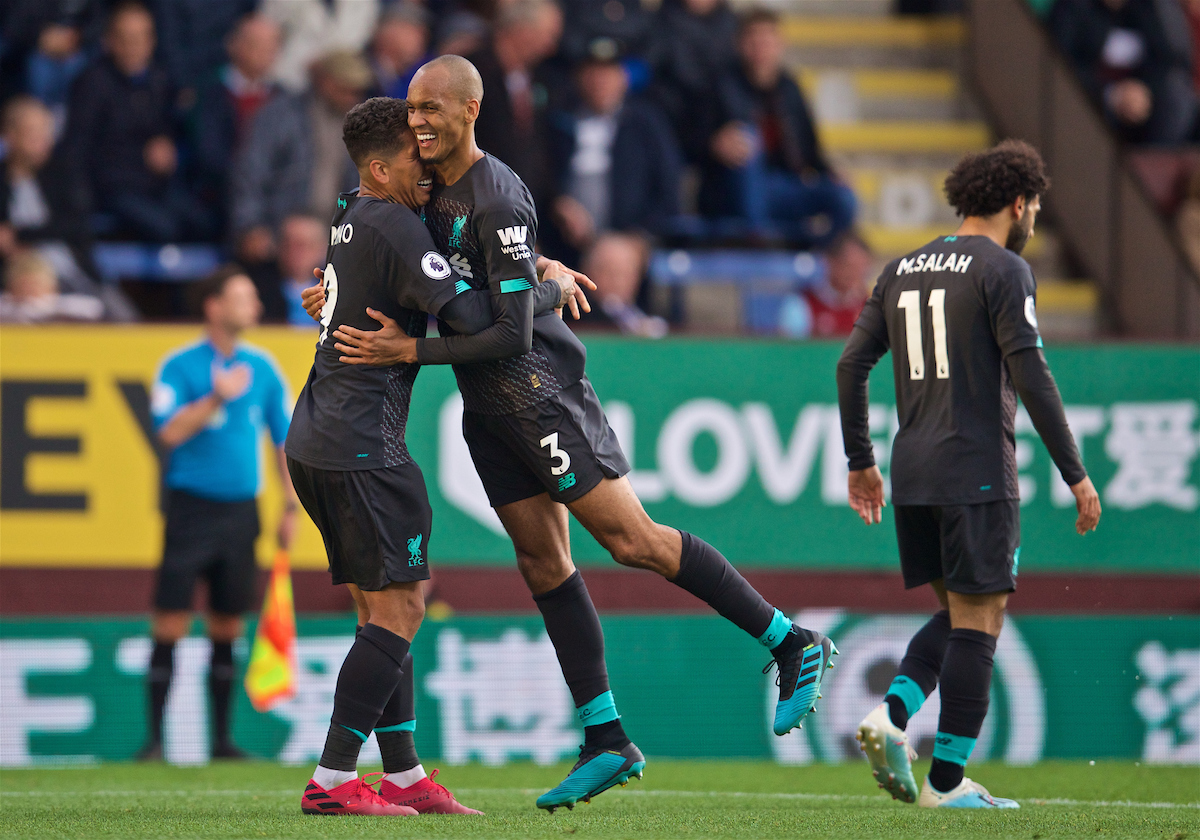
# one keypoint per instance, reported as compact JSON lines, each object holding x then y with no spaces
{"x":676,"y":799}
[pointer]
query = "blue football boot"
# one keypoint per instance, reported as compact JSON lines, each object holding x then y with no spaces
{"x":595,"y":772}
{"x":799,"y":681}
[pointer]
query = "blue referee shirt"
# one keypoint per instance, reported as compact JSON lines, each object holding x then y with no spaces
{"x":222,"y":461}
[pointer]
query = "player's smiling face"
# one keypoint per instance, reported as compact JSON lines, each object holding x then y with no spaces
{"x":438,"y":118}
{"x":414,"y":176}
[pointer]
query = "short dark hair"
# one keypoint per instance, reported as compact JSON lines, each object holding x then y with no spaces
{"x":984,"y":183}
{"x":377,"y":127}
{"x":754,"y":16}
{"x":214,"y":285}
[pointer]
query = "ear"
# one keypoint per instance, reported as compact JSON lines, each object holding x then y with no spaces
{"x":1018,"y":206}
{"x":379,"y":171}
{"x":472,"y":110}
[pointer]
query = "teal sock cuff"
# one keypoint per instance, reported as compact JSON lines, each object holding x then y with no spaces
{"x":600,"y":709}
{"x":355,"y":731}
{"x":407,"y":726}
{"x":953,"y":748}
{"x":779,"y":627}
{"x":909,"y":692}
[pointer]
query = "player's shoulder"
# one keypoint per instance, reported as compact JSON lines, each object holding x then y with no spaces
{"x":194,"y":354}
{"x":391,"y":220}
{"x":998,"y":258}
{"x":497,"y":188}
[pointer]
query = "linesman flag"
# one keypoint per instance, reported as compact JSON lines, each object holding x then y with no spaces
{"x":271,"y":675}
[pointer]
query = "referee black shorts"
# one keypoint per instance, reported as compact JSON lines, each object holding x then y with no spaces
{"x":375,"y":523}
{"x":211,"y":540}
{"x":563,"y":446}
{"x":973,"y":549}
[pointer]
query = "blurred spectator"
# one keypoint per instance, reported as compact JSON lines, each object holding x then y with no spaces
{"x":1135,"y":59}
{"x":192,"y":37}
{"x":30,"y":27}
{"x":43,"y":208}
{"x":512,"y":124}
{"x":834,"y":305}
{"x":312,"y":28}
{"x":693,"y":48}
{"x":228,"y":102}
{"x":303,"y":241}
{"x":52,"y":67}
{"x":1188,"y":221}
{"x":31,"y":294}
{"x":120,"y":136}
{"x":629,"y":23}
{"x":399,"y":47}
{"x":618,"y":171}
{"x":766,"y":166}
{"x":293,"y":160}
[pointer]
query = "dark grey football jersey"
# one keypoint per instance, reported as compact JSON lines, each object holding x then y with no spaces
{"x":487,"y":225}
{"x":950,"y":313}
{"x":351,"y":417}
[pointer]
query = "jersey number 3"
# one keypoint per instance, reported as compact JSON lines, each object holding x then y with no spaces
{"x":910,"y":302}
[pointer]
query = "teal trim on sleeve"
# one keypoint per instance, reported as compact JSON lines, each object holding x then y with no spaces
{"x":406,"y":726}
{"x":909,"y":692}
{"x":461,"y":286}
{"x":600,"y":709}
{"x":519,"y":284}
{"x":355,"y":731}
{"x":776,"y":630}
{"x":953,"y":748}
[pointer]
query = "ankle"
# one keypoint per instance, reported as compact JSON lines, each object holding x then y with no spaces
{"x":945,"y":776}
{"x":407,"y":778}
{"x":329,"y":778}
{"x":605,"y":736}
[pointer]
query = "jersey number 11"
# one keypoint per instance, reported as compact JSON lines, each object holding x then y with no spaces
{"x":910,"y":302}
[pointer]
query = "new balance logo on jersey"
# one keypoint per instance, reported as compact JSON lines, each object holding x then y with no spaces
{"x":461,"y":264}
{"x":934,"y":262}
{"x":512,"y":241}
{"x":513,"y":235}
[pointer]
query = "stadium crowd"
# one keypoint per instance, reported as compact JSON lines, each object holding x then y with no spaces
{"x":219,"y":121}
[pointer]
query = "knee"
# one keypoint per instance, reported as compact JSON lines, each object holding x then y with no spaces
{"x":543,"y":572}
{"x":224,"y":628}
{"x":629,"y":552}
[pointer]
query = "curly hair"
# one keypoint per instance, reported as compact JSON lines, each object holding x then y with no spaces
{"x":377,"y":127}
{"x":984,"y":183}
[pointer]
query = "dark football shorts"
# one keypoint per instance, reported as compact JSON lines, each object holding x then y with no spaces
{"x":563,"y":446}
{"x":211,"y":540}
{"x":973,"y":549}
{"x":375,"y":523}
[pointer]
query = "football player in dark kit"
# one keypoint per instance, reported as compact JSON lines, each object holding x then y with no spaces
{"x":959,"y":316}
{"x":351,"y":468}
{"x":543,"y":447}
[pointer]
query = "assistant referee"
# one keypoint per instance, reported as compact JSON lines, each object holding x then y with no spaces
{"x":211,"y":402}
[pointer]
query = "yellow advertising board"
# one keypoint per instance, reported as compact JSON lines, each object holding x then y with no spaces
{"x":78,"y":467}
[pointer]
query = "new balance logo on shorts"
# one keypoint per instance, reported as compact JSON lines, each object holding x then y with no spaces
{"x":566,"y":482}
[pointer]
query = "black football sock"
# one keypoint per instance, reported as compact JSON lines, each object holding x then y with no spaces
{"x":705,"y":573}
{"x":574,"y":628}
{"x":398,"y":723}
{"x":919,"y":669}
{"x":220,"y":689}
{"x":158,"y":683}
{"x":366,"y":682}
{"x":966,"y":684}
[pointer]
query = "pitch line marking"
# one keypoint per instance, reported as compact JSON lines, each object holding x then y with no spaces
{"x":812,"y":797}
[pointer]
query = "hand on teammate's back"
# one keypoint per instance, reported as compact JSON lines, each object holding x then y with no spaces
{"x":313,"y":297}
{"x":231,"y":382}
{"x":388,"y":345}
{"x":1087,"y":503}
{"x":866,"y":494}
